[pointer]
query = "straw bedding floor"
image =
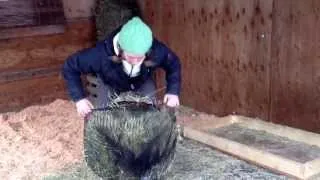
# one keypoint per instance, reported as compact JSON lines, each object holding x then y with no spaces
{"x":46,"y":141}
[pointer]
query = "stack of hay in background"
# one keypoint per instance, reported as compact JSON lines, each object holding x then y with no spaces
{"x":111,"y":14}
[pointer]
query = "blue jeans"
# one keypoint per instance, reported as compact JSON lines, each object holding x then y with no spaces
{"x":105,"y":92}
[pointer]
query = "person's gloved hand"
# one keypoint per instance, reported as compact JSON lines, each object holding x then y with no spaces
{"x":171,"y":100}
{"x":84,"y":107}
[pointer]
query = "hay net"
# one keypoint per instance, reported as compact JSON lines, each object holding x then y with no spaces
{"x":131,"y":137}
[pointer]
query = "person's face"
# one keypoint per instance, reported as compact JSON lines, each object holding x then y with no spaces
{"x":133,"y":58}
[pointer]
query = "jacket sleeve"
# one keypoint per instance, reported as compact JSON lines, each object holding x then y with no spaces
{"x":171,"y":64}
{"x":82,"y":62}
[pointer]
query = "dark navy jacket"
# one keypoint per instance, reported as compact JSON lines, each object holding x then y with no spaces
{"x":98,"y":60}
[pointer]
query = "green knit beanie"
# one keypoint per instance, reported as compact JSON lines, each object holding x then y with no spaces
{"x":135,"y":37}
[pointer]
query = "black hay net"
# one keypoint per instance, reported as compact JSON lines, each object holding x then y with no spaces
{"x":130,"y":139}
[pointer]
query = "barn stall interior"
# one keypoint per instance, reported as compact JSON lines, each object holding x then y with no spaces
{"x":250,"y":85}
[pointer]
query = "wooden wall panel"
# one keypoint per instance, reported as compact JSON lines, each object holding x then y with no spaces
{"x":225,"y":49}
{"x":30,"y":66}
{"x":258,"y":58}
{"x":296,"y":64}
{"x":45,"y":51}
{"x":18,"y":94}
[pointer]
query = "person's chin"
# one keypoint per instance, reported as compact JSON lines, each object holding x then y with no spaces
{"x":135,"y":63}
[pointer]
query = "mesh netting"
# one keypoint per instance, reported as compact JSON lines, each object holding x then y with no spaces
{"x":130,"y":139}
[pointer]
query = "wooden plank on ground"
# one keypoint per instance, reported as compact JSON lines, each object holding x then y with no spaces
{"x":298,"y":167}
{"x":281,"y":130}
{"x":239,"y":150}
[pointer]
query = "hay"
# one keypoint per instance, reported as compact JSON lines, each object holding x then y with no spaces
{"x":194,"y":161}
{"x":110,"y":14}
{"x":50,"y":138}
{"x":130,"y":139}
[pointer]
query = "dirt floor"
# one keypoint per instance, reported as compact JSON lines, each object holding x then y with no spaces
{"x":46,"y":141}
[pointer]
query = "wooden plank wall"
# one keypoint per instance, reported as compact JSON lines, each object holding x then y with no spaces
{"x":30,"y":67}
{"x":295,"y":88}
{"x":257,"y":58}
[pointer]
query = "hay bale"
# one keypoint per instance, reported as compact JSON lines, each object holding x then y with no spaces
{"x":111,"y":14}
{"x":130,"y":138}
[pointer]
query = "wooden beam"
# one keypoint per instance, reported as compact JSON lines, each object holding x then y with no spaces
{"x":198,"y":130}
{"x":256,"y":156}
{"x":31,"y":31}
{"x":280,"y":130}
{"x":6,"y":77}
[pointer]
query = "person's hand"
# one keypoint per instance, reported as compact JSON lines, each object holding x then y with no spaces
{"x":84,"y":107}
{"x":171,"y":100}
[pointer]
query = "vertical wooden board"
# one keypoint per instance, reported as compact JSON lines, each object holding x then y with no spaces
{"x":178,"y":31}
{"x":163,"y":25}
{"x":200,"y":48}
{"x":170,"y":18}
{"x":214,"y":88}
{"x":295,"y":64}
{"x":189,"y":64}
{"x":167,"y":21}
{"x":246,"y":54}
{"x":223,"y":50}
{"x":249,"y":66}
{"x":184,"y":50}
{"x":194,"y":58}
{"x":239,"y":57}
{"x":175,"y":26}
{"x":148,"y":11}
{"x":158,"y":27}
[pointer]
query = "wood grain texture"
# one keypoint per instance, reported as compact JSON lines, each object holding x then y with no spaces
{"x":258,"y":58}
{"x":19,"y":94}
{"x":18,"y":13}
{"x":45,"y":51}
{"x":206,"y":130}
{"x":224,"y":47}
{"x":30,"y":67}
{"x":295,"y":90}
{"x":31,"y":31}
